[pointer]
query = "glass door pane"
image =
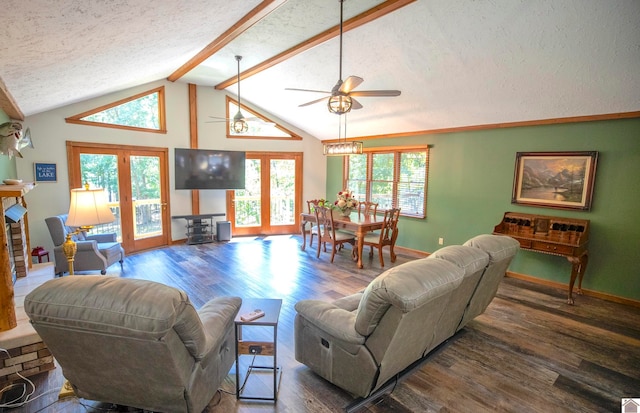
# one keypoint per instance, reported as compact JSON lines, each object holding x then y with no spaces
{"x":248,"y":201}
{"x":270,"y":202}
{"x":283,"y":191}
{"x":101,"y":171}
{"x":146,"y":196}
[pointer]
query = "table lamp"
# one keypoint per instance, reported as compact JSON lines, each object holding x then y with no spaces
{"x":88,"y":208}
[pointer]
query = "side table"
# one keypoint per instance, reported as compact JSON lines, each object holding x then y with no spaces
{"x":260,"y":347}
{"x":39,"y":253}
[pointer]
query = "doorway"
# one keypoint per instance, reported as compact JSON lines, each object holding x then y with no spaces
{"x":136,"y":182}
{"x":271,"y":202}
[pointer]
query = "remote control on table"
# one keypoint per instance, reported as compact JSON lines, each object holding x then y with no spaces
{"x":257,"y":313}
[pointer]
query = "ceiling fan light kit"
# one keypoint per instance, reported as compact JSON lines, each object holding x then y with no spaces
{"x":339,"y":104}
{"x":240,"y":126}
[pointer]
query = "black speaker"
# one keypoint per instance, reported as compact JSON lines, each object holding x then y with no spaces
{"x":223,"y":230}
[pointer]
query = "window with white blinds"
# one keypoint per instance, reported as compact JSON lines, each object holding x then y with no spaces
{"x":391,"y":177}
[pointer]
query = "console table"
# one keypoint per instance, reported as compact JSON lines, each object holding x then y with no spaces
{"x":199,"y":227}
{"x":564,"y":237}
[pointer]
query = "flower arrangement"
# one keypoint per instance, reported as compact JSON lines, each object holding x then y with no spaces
{"x":345,"y":202}
{"x":318,"y":202}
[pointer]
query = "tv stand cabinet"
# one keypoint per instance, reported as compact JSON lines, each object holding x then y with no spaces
{"x":199,"y":227}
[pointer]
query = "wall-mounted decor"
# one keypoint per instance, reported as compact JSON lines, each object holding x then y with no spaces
{"x":555,"y":179}
{"x":45,"y":172}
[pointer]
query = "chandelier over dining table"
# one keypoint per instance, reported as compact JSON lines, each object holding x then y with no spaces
{"x":342,"y":147}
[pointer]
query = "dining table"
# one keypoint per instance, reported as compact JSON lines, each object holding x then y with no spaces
{"x":358,"y":224}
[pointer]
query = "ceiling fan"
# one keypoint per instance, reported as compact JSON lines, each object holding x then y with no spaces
{"x":239,"y":124}
{"x":341,"y":97}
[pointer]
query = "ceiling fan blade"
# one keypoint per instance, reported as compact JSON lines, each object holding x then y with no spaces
{"x":312,"y":102}
{"x":218,"y":119}
{"x":306,"y":90}
{"x":350,"y":83}
{"x":355,"y":104}
{"x":380,"y":93}
{"x":259,"y":120}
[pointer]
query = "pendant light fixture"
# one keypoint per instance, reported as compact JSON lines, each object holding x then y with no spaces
{"x":343,"y":147}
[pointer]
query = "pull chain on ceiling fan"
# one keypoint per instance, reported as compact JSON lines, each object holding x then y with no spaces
{"x":341,"y":97}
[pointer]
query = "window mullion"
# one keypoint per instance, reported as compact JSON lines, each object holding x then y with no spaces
{"x":369,"y":178}
{"x":396,"y":177}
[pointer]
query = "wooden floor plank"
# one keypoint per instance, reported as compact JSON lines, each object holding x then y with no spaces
{"x":529,"y":352}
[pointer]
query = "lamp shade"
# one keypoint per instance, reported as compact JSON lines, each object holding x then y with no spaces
{"x":88,"y":207}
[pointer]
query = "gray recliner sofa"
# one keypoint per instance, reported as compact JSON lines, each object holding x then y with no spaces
{"x":135,"y":343}
{"x":94,"y":252}
{"x":363,"y":341}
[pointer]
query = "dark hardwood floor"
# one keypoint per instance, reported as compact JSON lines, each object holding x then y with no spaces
{"x":529,"y":352}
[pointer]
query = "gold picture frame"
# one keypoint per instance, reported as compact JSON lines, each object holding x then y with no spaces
{"x":562,"y":180}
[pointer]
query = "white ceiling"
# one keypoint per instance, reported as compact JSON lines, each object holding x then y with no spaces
{"x":457,"y":62}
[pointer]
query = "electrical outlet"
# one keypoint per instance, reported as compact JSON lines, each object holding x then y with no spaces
{"x":441,"y":241}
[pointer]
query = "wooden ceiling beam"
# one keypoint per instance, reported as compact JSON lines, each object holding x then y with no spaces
{"x":254,"y":16}
{"x":363,"y":18}
{"x":8,"y":104}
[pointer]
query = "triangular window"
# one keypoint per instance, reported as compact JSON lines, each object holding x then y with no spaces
{"x":143,"y":112}
{"x":260,"y":127}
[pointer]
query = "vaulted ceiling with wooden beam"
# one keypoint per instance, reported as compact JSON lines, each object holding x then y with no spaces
{"x":457,"y":62}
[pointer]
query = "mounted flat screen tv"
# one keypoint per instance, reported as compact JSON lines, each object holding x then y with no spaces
{"x":209,"y":169}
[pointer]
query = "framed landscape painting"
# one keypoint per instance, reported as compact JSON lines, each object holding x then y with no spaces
{"x":555,"y":179}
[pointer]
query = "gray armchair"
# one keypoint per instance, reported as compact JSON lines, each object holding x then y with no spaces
{"x":95,"y":252}
{"x":135,"y":343}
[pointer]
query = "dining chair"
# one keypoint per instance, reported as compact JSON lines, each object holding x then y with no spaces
{"x":327,"y":233}
{"x":367,"y":208}
{"x":387,"y":235}
{"x":311,"y":206}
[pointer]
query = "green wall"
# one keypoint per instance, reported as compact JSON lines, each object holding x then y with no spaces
{"x":7,"y":167}
{"x":470,"y":184}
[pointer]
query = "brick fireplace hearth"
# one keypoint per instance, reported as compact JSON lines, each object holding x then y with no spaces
{"x":28,"y":355}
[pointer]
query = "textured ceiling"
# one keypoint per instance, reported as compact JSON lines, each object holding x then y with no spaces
{"x":82,"y":49}
{"x":457,"y":62}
